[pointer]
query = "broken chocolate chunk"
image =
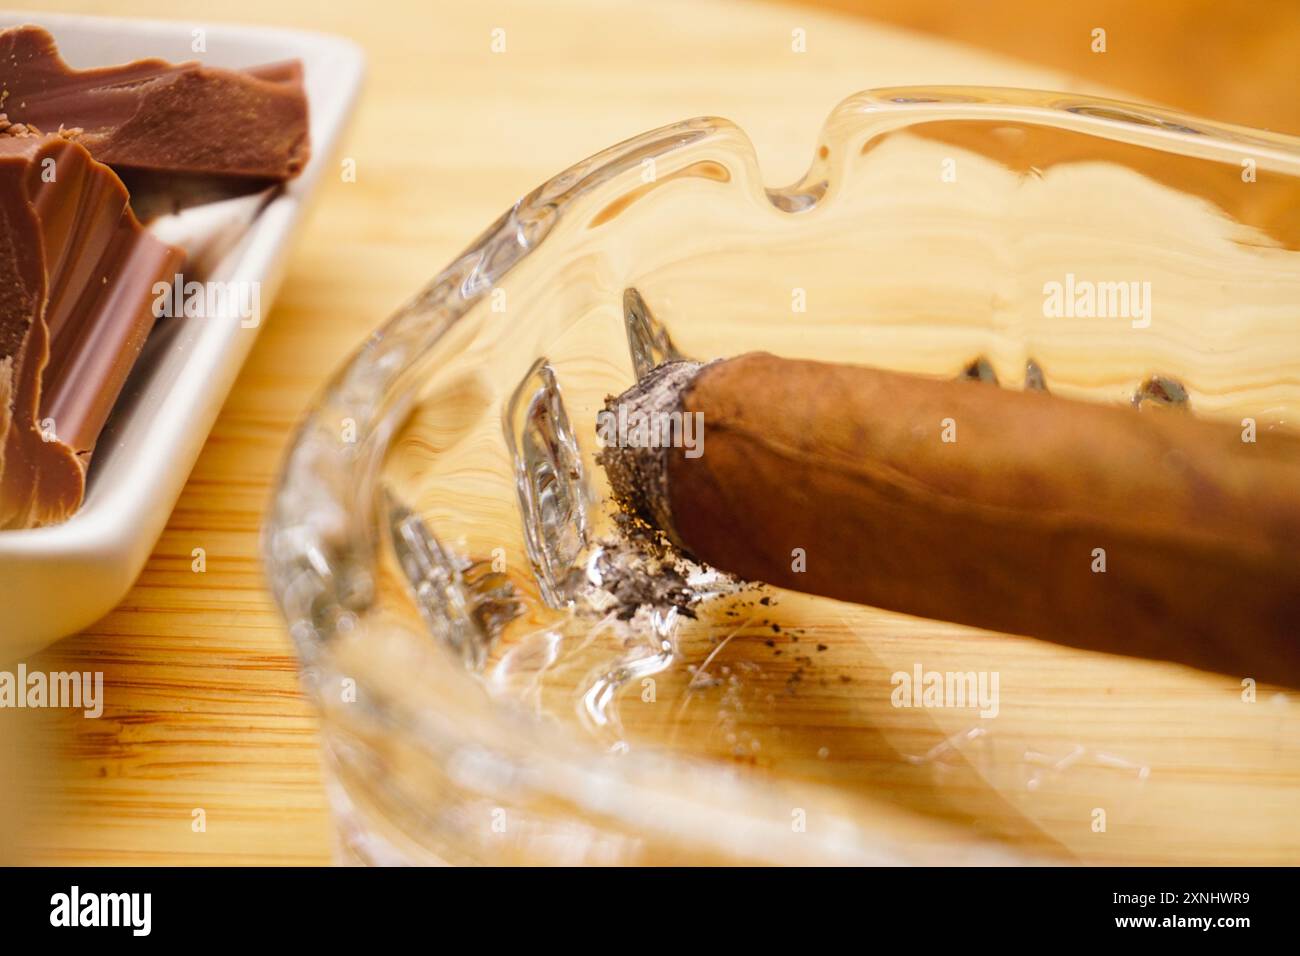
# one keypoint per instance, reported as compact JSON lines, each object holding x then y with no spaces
{"x":155,"y":117}
{"x":77,"y":287}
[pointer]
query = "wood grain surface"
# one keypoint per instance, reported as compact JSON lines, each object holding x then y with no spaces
{"x":202,"y":705}
{"x":1235,"y":63}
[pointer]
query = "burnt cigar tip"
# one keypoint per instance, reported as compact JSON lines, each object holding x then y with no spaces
{"x":636,"y":466}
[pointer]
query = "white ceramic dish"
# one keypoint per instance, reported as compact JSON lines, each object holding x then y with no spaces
{"x":56,"y":580}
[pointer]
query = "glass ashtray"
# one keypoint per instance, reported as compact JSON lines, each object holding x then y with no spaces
{"x":441,"y":539}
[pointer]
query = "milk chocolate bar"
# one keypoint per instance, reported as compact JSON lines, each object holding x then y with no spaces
{"x":155,"y":117}
{"x":77,"y":287}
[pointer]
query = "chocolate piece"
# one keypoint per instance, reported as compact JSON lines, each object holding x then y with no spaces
{"x":151,"y":116}
{"x":77,"y":277}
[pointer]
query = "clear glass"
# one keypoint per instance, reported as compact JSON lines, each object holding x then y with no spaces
{"x":437,"y":537}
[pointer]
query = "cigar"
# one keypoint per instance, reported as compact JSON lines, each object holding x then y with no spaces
{"x":1146,"y":533}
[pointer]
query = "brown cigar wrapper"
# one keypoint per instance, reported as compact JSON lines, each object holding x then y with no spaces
{"x":998,"y":528}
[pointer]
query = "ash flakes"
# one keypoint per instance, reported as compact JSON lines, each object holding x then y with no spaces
{"x":639,"y":569}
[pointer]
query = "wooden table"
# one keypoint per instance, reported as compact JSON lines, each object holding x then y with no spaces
{"x":203,"y":709}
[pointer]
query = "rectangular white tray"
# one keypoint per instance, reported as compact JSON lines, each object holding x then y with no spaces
{"x":56,"y":580}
